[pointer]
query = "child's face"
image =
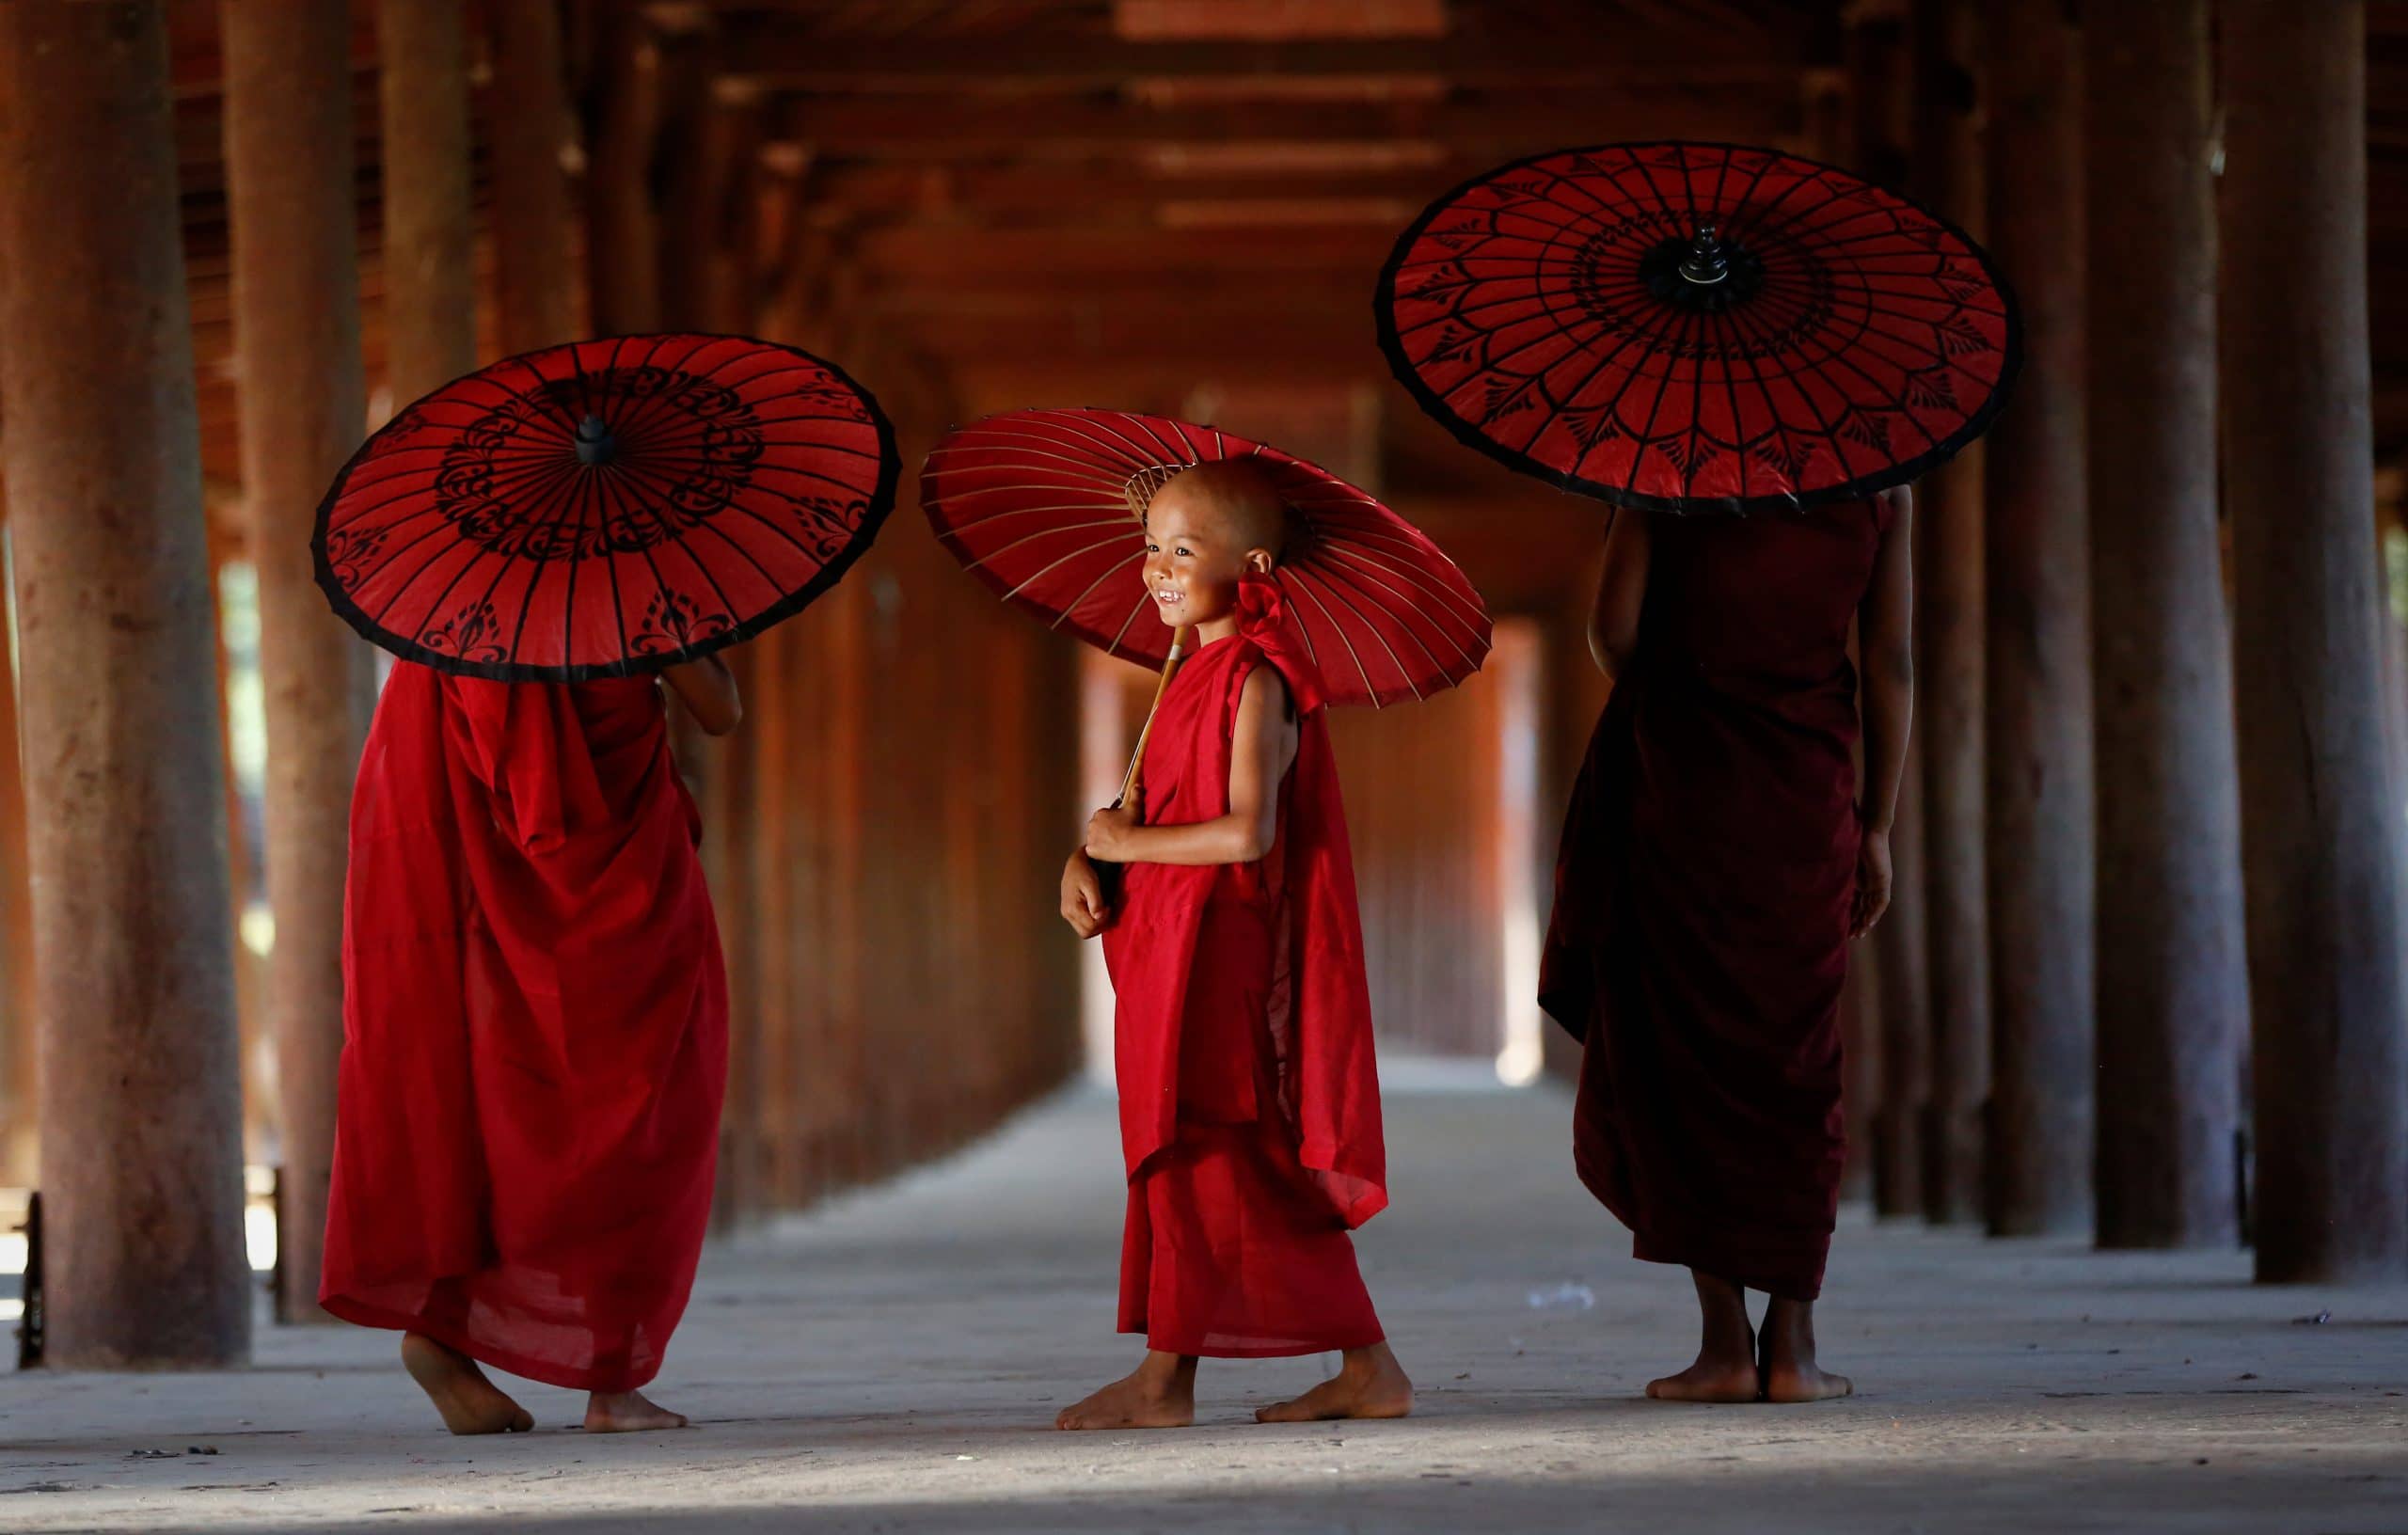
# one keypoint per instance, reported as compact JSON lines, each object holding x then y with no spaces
{"x":1195,"y":554}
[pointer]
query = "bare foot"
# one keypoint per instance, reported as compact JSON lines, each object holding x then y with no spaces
{"x":1370,"y":1384}
{"x":469,"y":1404}
{"x":1790,"y":1372}
{"x":1790,"y":1383}
{"x":1725,"y":1371}
{"x":1709,"y":1380}
{"x":627,"y":1412}
{"x":1159,"y":1394}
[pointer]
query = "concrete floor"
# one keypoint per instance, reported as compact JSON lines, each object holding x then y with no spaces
{"x":893,"y":1363}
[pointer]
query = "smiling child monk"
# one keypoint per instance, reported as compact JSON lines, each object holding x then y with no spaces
{"x":1249,"y":1099}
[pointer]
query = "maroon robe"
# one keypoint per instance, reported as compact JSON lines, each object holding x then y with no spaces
{"x":1702,"y":892}
{"x":1249,"y":1096}
{"x":535,"y":1030}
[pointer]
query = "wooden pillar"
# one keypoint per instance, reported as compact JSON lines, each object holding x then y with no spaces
{"x":296,"y":324}
{"x":2173,"y":991}
{"x":141,"y":1156}
{"x":532,"y":135}
{"x":2043,"y":979}
{"x":622,"y":254}
{"x":430,"y":211}
{"x":2322,"y":847}
{"x":20,"y":1083}
{"x":1948,"y":625}
{"x":1879,"y":84}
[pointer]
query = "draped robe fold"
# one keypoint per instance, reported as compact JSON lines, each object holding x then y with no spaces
{"x":1703,"y":890}
{"x":536,"y":1021}
{"x":1249,"y":1094}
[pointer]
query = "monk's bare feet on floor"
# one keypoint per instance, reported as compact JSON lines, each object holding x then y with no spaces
{"x":1790,"y":1373}
{"x":469,"y":1404}
{"x":1368,"y":1383}
{"x":627,"y":1412}
{"x":1710,"y":1380}
{"x":1159,"y":1394}
{"x":1725,"y":1371}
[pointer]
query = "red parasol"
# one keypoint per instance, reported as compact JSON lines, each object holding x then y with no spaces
{"x":1697,"y":326}
{"x":607,"y":506}
{"x":1046,"y":507}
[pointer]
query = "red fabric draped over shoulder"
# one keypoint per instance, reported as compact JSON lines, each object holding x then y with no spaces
{"x":536,"y":1019}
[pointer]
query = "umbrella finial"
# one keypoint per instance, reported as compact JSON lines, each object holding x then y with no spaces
{"x":595,"y":445}
{"x":1707,"y":264}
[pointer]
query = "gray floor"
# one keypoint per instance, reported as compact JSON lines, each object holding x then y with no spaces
{"x":893,"y":1363}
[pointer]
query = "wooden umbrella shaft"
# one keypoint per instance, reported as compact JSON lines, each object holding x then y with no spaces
{"x":1137,"y":757}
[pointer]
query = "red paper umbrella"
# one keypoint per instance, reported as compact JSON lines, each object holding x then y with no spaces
{"x":1046,"y":507}
{"x":607,"y":506}
{"x":1695,"y":326}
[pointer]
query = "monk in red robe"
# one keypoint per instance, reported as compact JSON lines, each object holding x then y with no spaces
{"x":535,"y":1040}
{"x":1717,"y":860}
{"x":1249,"y":1097}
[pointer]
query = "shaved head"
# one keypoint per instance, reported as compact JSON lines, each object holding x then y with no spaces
{"x":1230,"y":496}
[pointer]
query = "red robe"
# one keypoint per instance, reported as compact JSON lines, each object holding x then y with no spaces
{"x":1249,"y":1096}
{"x":1700,"y":933}
{"x":536,"y":1019}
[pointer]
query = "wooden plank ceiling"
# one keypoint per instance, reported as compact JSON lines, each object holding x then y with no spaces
{"x":1121,"y":200}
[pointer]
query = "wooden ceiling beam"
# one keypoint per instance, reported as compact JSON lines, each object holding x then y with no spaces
{"x":1479,"y":126}
{"x":1606,"y":54}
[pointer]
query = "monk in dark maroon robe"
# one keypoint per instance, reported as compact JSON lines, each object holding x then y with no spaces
{"x":1249,"y":1099}
{"x":1716,"y":859}
{"x":535,"y":1040}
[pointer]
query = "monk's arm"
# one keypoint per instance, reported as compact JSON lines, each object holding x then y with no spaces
{"x":1260,"y":748}
{"x":1885,"y":640}
{"x":707,"y":687}
{"x":1622,"y":588}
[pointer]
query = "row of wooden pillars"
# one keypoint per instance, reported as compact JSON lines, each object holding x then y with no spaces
{"x":858,"y":849}
{"x":2151,"y":668}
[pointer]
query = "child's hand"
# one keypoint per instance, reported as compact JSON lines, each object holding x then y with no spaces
{"x":1108,"y":830}
{"x":1872,"y":883}
{"x":1082,"y":904}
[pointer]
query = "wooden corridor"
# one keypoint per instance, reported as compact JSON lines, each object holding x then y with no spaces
{"x":1180,"y":206}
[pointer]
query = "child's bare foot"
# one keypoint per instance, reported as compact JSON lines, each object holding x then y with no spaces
{"x":1368,"y":1383}
{"x":1726,"y":1369}
{"x":1159,"y":1394}
{"x":1790,"y":1372}
{"x":469,"y":1404}
{"x":627,"y":1412}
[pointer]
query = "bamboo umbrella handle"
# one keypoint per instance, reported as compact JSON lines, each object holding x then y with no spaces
{"x":1137,"y":757}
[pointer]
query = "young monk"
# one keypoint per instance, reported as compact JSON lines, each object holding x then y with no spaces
{"x":1716,"y":859}
{"x":536,"y":1021}
{"x":1249,"y":1099}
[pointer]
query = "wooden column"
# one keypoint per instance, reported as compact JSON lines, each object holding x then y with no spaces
{"x":532,"y":135}
{"x":141,"y":1157}
{"x":2324,"y":836}
{"x":20,"y":1033}
{"x":2043,"y":978}
{"x":296,"y":324}
{"x":430,"y":211}
{"x":1879,"y":82}
{"x":2173,"y":994}
{"x":622,"y":255}
{"x":1948,"y":625}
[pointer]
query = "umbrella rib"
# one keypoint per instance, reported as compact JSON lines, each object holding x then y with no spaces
{"x":1647,"y":336}
{"x":568,"y":602}
{"x":1333,"y":589}
{"x":1120,"y":523}
{"x":962,"y":524}
{"x":1017,"y":431}
{"x":527,"y":606}
{"x":1647,"y":433}
{"x":659,"y":581}
{"x":1063,"y":615}
{"x":646,"y":409}
{"x":416,"y":487}
{"x":1119,"y":456}
{"x":725,"y":537}
{"x":1372,"y":570}
{"x":1341,"y":580}
{"x":1049,"y":569}
{"x":443,"y":596}
{"x":529,"y":479}
{"x":1369,"y":686}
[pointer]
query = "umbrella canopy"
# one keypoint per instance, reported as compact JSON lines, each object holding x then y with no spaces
{"x":1047,"y":508}
{"x":1697,"y":326}
{"x":607,"y":506}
